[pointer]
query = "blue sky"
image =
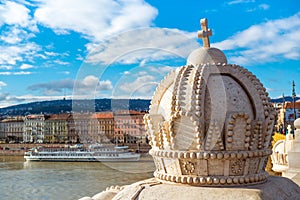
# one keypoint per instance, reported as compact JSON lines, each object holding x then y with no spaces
{"x":123,"y":48}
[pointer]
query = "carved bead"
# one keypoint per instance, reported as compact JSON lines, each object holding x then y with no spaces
{"x":250,"y":154}
{"x":226,"y":155}
{"x":235,"y":180}
{"x":222,"y":180}
{"x":181,"y":155}
{"x":186,"y":155}
{"x":230,"y":133}
{"x":245,"y":155}
{"x":216,"y":180}
{"x":183,"y":179}
{"x":175,"y":155}
{"x":213,"y":156}
{"x":199,"y":155}
{"x":193,"y":155}
{"x":239,"y":155}
{"x":233,"y":155}
{"x":229,"y":139}
{"x":247,"y":180}
{"x":209,"y":180}
{"x":206,"y":155}
{"x":168,"y":177}
{"x":196,"y":180}
{"x":229,"y":180}
{"x":165,"y":154}
{"x":220,"y":155}
{"x":241,"y":180}
{"x":173,"y":178}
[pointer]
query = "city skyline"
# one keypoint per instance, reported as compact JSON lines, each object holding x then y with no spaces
{"x":123,"y":49}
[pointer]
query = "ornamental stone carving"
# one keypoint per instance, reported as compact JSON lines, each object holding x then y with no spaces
{"x":210,"y":123}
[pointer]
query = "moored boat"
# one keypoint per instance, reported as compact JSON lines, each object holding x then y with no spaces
{"x":98,"y":152}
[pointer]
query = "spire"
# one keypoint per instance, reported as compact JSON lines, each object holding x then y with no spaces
{"x":293,"y":90}
{"x":293,"y":97}
{"x":205,"y":32}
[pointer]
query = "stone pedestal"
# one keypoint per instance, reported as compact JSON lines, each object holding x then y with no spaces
{"x":273,"y":188}
{"x":293,"y":171}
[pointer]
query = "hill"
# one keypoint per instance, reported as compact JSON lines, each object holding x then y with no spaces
{"x":65,"y":106}
{"x":98,"y":105}
{"x":288,"y":98}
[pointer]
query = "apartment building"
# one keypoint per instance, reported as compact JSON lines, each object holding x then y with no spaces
{"x":34,"y":128}
{"x":129,"y":126}
{"x":11,"y":129}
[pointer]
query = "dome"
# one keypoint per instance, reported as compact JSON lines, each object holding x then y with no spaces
{"x":206,"y":55}
{"x":210,"y":123}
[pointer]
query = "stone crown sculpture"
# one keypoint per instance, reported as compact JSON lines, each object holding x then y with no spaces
{"x":210,"y":123}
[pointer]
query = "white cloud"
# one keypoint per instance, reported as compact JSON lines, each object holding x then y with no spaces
{"x":7,"y":67}
{"x":139,"y":45}
{"x":266,"y":42}
{"x":2,"y":84}
{"x":65,"y":72}
{"x":95,"y":19}
{"x":163,"y":70}
{"x":48,"y":53}
{"x":14,"y":35}
{"x":89,"y":85}
{"x":103,"y":22}
{"x":22,"y":73}
{"x":264,"y":6}
{"x":141,"y":86}
{"x":7,"y":100}
{"x":10,"y":55}
{"x":14,"y":14}
{"x":259,"y":7}
{"x":16,"y":73}
{"x":5,"y":73}
{"x":26,"y":66}
{"x":240,"y":1}
{"x":61,"y":62}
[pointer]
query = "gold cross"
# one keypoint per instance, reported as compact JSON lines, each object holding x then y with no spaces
{"x":204,"y":33}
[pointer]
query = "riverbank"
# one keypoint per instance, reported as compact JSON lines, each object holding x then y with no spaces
{"x":20,"y":149}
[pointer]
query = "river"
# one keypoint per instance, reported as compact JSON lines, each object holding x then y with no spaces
{"x":21,"y":180}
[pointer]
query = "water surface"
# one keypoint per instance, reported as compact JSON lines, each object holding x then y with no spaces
{"x":21,"y":180}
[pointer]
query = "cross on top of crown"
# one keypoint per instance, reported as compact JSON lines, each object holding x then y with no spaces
{"x":204,"y":33}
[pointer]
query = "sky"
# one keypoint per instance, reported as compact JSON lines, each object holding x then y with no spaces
{"x":55,"y":49}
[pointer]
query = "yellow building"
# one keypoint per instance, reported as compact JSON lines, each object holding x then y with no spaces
{"x":56,"y":128}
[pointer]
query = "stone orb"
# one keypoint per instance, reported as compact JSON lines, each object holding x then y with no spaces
{"x":297,"y":123}
{"x":206,"y":55}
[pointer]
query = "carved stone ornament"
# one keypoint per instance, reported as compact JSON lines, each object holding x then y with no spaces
{"x":210,"y":123}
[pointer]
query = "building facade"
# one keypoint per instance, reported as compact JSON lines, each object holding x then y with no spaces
{"x":56,"y":128}
{"x":11,"y":129}
{"x":34,"y":128}
{"x":129,"y":127}
{"x":125,"y":127}
{"x":102,"y":127}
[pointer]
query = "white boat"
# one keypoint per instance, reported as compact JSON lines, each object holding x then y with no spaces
{"x":98,"y":152}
